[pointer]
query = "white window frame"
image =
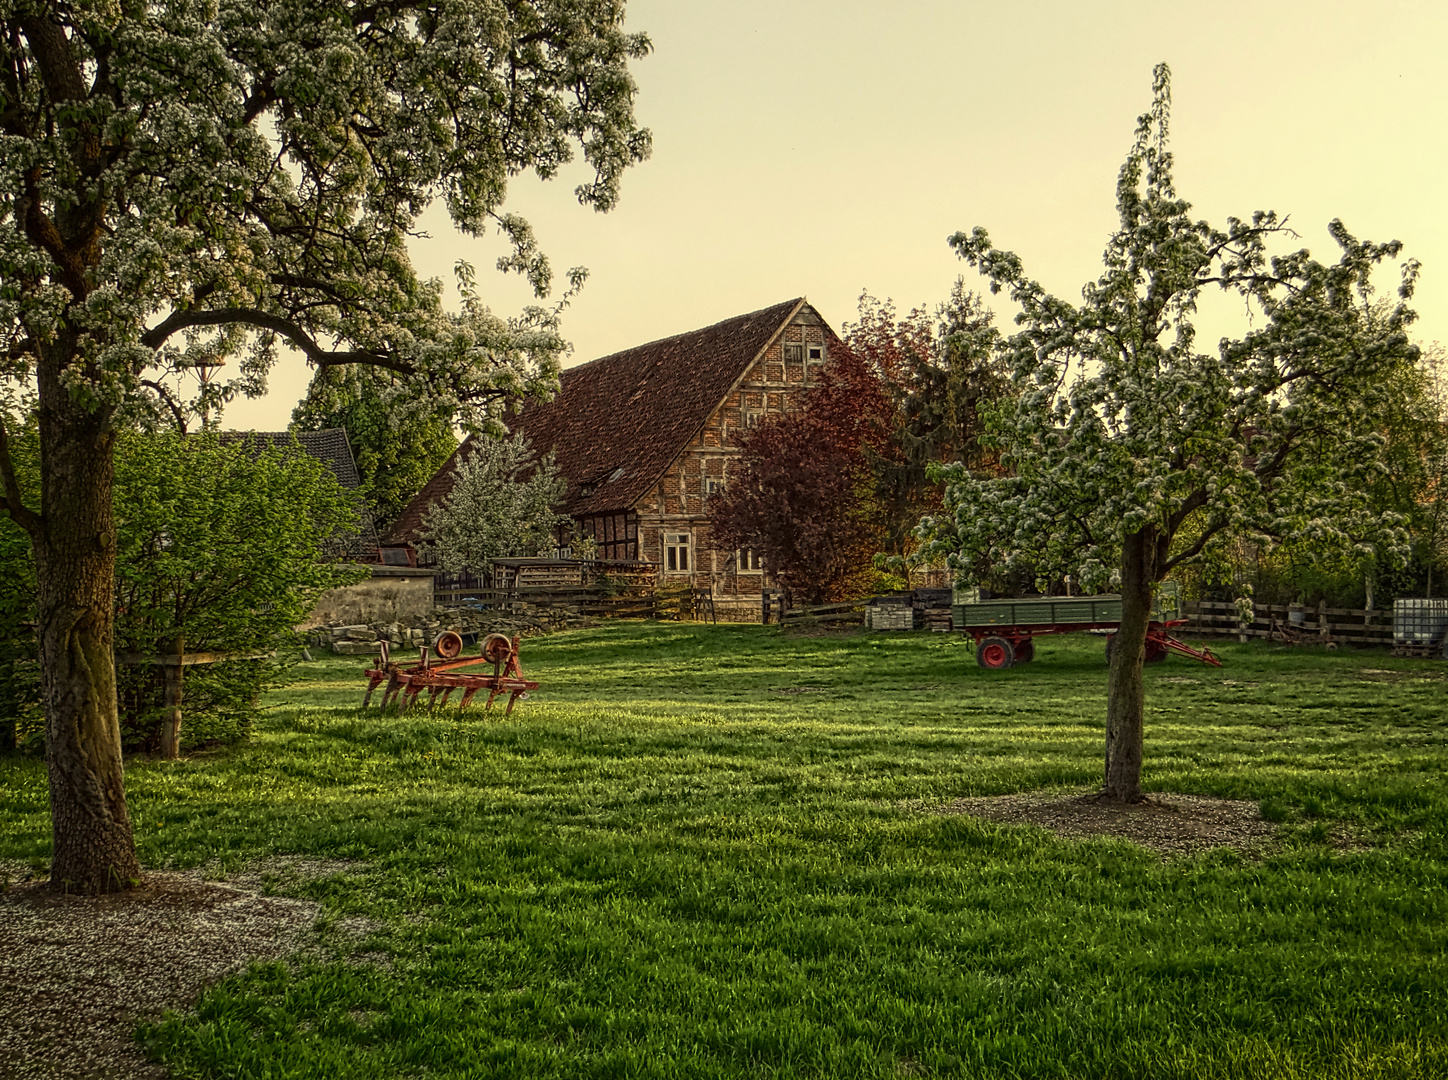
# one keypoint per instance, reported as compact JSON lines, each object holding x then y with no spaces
{"x":748,"y":561}
{"x":677,"y":549}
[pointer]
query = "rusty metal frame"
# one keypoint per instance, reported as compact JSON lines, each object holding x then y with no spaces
{"x":441,"y":677}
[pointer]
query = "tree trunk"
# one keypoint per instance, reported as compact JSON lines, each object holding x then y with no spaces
{"x":75,"y":547}
{"x":1126,"y":689}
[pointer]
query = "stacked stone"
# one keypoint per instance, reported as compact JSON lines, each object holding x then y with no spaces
{"x":365,"y":639}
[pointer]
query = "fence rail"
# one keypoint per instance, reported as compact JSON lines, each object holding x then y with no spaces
{"x":843,"y":614}
{"x":1291,"y":624}
{"x":677,"y":603}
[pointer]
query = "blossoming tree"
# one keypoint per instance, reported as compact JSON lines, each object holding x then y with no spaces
{"x":501,"y":505}
{"x":184,"y":182}
{"x":1130,"y":451}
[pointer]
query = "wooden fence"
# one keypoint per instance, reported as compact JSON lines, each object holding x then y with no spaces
{"x":1291,"y":624}
{"x":844,"y":614}
{"x":555,"y":604}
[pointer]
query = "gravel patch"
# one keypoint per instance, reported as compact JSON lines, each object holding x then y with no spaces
{"x":78,"y":973}
{"x":1168,"y":823}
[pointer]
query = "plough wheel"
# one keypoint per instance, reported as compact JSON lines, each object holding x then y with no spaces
{"x":449,"y":644}
{"x":497,"y":649}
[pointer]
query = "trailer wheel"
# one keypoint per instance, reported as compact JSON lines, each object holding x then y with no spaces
{"x":995,"y":653}
{"x":1025,"y":651}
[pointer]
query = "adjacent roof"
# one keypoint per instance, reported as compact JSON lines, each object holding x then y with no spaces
{"x":331,"y":448}
{"x":619,"y":421}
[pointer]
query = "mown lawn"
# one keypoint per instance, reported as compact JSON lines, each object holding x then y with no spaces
{"x":705,"y":852}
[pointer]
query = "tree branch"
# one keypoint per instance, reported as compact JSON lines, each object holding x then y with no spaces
{"x":1192,"y":552}
{"x":169,"y":402}
{"x":181,"y":320}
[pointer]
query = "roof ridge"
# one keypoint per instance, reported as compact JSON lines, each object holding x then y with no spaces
{"x":685,"y":333}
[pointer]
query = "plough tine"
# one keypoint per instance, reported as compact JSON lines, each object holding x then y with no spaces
{"x":389,"y":696}
{"x":372,"y":685}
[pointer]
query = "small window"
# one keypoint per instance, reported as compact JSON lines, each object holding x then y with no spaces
{"x":712,"y":485}
{"x":751,"y":418}
{"x":748,"y":561}
{"x":816,"y":354}
{"x":793,"y":352}
{"x":676,"y":552}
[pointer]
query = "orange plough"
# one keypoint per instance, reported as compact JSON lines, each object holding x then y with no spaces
{"x":443,"y":673}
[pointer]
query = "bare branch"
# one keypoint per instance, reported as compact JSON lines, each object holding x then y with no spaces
{"x":181,"y":320}
{"x":169,"y":401}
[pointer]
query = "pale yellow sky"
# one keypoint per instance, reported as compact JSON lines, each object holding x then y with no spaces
{"x":822,"y":147}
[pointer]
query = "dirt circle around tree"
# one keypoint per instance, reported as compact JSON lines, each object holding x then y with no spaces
{"x":77,"y":973}
{"x":1168,"y":823}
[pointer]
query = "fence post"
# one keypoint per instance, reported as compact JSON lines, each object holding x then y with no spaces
{"x":173,"y":673}
{"x":1322,"y":631}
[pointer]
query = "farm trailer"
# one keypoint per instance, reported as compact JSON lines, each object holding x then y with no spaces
{"x":1004,"y":631}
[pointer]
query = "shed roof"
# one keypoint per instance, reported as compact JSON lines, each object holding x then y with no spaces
{"x":618,"y":422}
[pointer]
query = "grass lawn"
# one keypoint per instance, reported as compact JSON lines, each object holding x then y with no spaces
{"x":706,"y":852}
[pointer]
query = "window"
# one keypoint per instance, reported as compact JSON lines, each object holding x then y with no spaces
{"x":816,"y":354}
{"x":676,"y":552}
{"x":751,"y":417}
{"x":793,"y":353}
{"x":712,"y":486}
{"x":748,"y":561}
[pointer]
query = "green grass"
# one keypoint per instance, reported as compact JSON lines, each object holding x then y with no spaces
{"x":700,"y":852}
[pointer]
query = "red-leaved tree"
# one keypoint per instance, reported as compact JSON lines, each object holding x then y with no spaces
{"x":802,"y":498}
{"x":939,"y":373}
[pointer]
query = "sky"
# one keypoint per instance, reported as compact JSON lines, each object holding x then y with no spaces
{"x":822,"y":148}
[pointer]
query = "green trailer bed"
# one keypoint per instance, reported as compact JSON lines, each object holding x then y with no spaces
{"x":1083,"y":611}
{"x":1037,"y":611}
{"x":1004,"y":630}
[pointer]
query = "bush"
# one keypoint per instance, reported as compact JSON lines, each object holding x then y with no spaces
{"x":219,"y":547}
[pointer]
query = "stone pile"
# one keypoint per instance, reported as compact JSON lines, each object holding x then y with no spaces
{"x":365,"y":639}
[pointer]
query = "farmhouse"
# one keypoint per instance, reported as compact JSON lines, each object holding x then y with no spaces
{"x":645,"y":436}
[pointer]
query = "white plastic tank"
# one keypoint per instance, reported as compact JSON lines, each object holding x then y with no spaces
{"x":1419,"y":621}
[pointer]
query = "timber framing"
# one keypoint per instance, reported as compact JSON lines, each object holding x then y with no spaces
{"x":644,"y":436}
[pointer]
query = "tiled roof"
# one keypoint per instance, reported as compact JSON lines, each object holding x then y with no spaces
{"x":619,"y":421}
